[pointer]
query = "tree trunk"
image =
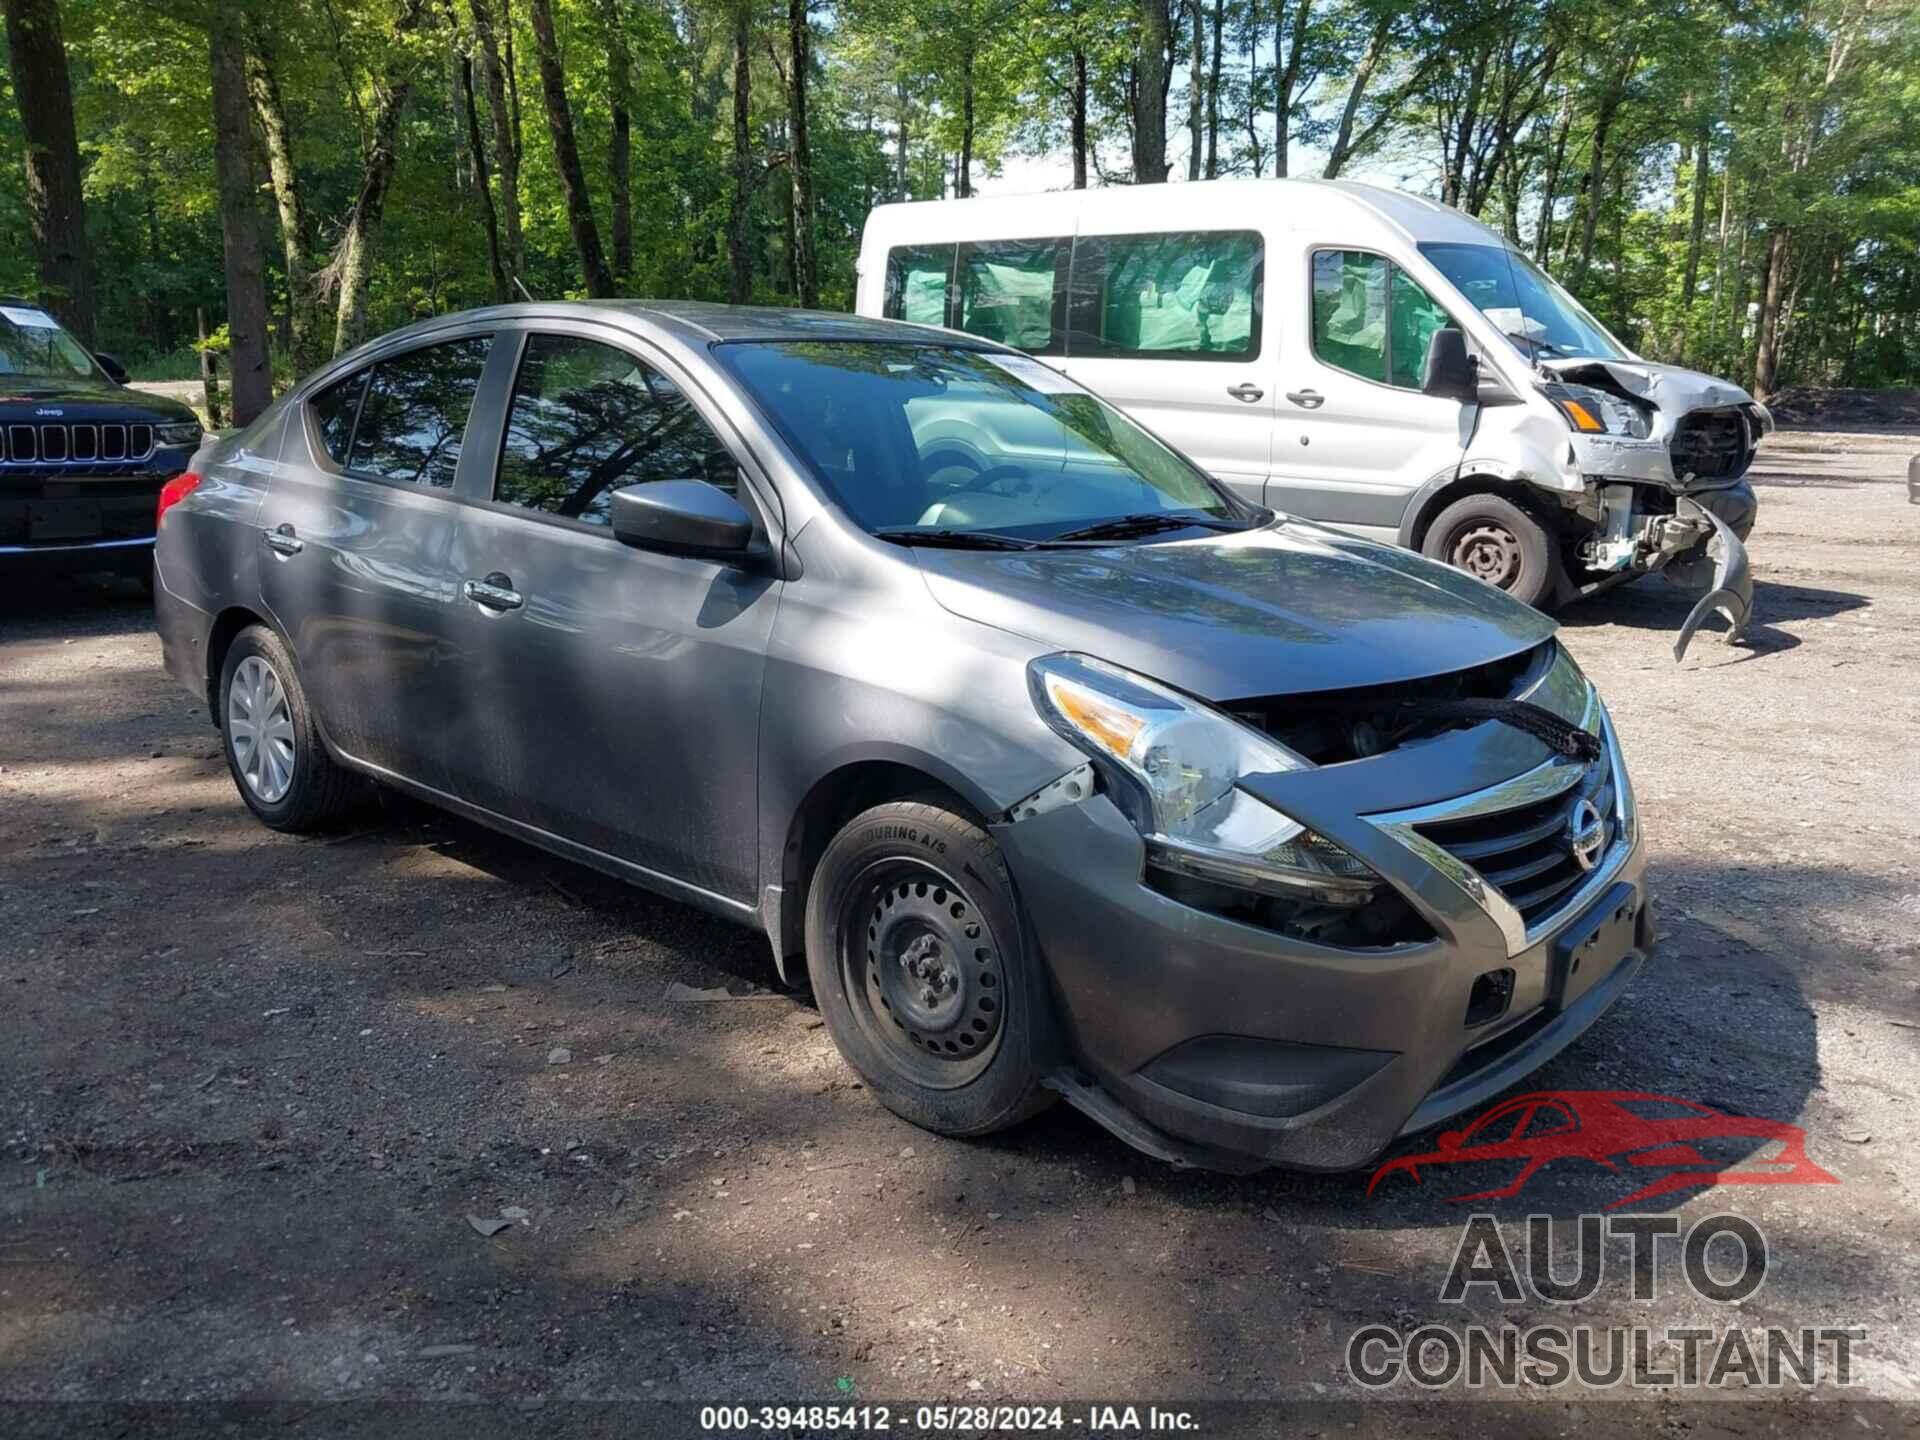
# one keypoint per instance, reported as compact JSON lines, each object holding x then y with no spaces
{"x":1453,"y":185}
{"x":1284,"y":81}
{"x":56,"y":210}
{"x":620,"y":138}
{"x":566,"y":155}
{"x":1342,"y":150}
{"x":900,"y":151}
{"x":1697,"y":231}
{"x":1596,"y":166}
{"x":1550,"y":186}
{"x":246,"y":274}
{"x":1150,"y":97}
{"x":352,"y":265}
{"x":739,"y":258}
{"x":1079,"y":118}
{"x":1213,"y":92}
{"x":303,"y":307}
{"x":483,"y":189}
{"x":963,"y":178}
{"x":506,"y":145}
{"x":806,"y":266}
{"x":1196,"y":87}
{"x":1766,"y":359}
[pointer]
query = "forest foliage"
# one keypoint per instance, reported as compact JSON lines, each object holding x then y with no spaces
{"x":1732,"y":184}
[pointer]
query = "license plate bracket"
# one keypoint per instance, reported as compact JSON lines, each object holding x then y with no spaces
{"x":1587,"y":951}
{"x":63,"y":520}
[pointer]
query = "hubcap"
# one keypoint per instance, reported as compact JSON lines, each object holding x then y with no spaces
{"x":260,"y":729}
{"x":1487,"y":551}
{"x":923,"y":971}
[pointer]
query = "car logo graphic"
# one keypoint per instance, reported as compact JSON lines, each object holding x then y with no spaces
{"x":50,"y":411}
{"x":1621,"y":1131}
{"x":1586,"y":833}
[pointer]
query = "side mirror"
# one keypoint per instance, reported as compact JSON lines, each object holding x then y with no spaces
{"x":687,"y":515}
{"x":1452,"y":372}
{"x":116,"y":372}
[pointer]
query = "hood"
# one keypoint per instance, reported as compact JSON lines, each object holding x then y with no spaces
{"x":90,"y":395}
{"x":1670,"y":388}
{"x":1285,"y":609}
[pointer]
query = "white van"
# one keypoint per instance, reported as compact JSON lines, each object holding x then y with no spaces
{"x":1358,"y":356}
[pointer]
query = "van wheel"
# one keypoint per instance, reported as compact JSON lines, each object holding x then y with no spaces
{"x":1494,"y":540}
{"x":279,"y":763}
{"x":919,"y":961}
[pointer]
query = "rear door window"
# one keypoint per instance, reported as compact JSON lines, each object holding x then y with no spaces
{"x":1180,"y":295}
{"x":415,"y":413}
{"x":588,"y":419}
{"x":334,"y":411}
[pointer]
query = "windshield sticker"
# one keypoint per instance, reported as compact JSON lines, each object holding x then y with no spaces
{"x":29,"y":319}
{"x":1031,"y":372}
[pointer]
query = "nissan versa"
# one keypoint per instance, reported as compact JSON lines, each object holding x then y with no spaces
{"x":1066,"y":773}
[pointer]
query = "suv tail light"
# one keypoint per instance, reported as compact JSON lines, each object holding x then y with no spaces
{"x":172,"y":493}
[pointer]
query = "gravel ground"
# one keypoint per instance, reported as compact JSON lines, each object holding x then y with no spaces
{"x":252,"y":1087}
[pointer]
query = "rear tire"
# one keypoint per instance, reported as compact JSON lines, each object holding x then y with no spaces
{"x":1493,"y":539}
{"x":919,"y":959}
{"x":274,"y":751}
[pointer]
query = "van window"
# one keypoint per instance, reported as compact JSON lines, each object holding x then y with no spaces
{"x":918,"y":277}
{"x":1370,"y":319}
{"x":1186,"y":295}
{"x":1007,"y":291}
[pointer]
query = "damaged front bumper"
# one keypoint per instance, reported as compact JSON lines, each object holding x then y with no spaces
{"x":1212,"y":1042}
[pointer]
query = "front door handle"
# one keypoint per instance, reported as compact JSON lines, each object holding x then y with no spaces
{"x":282,"y":541}
{"x":1245,"y":391}
{"x":1307,"y":399}
{"x":496,"y":592}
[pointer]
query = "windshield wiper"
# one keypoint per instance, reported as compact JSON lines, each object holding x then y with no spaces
{"x":953,"y":539}
{"x":1540,"y":347}
{"x":1151,"y":522}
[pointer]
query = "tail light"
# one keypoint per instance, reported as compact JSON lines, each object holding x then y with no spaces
{"x":172,"y":493}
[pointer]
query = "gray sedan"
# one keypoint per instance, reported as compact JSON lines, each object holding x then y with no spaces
{"x":1055,"y":768}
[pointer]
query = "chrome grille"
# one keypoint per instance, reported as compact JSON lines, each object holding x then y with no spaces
{"x":1526,"y":853}
{"x":114,"y":442}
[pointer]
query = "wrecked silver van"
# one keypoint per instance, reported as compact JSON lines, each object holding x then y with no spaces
{"x":1358,"y":356}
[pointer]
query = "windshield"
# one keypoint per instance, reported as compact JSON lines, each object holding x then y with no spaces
{"x":1542,"y":320}
{"x":33,"y":345}
{"x":915,"y":439}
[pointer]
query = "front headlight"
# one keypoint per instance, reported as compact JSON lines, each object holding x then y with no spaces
{"x":1600,"y":412}
{"x":183,"y":432}
{"x":1174,"y":767}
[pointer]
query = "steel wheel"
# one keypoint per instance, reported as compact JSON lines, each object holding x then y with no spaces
{"x":1486,"y":550}
{"x":922,"y":972}
{"x":260,"y":725}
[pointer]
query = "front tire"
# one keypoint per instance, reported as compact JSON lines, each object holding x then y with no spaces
{"x":1492,"y":539}
{"x":273,"y":748}
{"x":919,"y":960}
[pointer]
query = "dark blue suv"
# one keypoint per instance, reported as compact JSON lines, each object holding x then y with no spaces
{"x":82,"y":457}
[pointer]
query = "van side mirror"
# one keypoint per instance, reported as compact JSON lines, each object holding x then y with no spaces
{"x":1452,"y":371}
{"x":116,"y":372}
{"x":683,"y":515}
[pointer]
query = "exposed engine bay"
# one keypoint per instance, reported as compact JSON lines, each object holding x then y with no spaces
{"x":1663,"y":454}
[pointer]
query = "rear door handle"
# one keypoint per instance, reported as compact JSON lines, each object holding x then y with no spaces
{"x":1308,"y":399}
{"x":282,"y":541}
{"x":1245,"y":391}
{"x":496,"y":592}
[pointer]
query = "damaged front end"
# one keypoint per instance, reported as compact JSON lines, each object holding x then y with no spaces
{"x":1664,"y":453}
